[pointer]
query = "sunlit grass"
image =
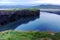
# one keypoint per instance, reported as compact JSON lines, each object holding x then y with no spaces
{"x":30,"y":35}
{"x":15,"y":9}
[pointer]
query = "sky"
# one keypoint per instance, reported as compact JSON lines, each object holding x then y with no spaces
{"x":29,"y":2}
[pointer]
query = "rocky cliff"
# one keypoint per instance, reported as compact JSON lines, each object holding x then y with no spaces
{"x":10,"y":16}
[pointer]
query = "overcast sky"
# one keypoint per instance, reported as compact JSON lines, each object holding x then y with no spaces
{"x":28,"y":2}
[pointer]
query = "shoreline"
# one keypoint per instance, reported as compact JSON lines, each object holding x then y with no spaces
{"x":51,"y":10}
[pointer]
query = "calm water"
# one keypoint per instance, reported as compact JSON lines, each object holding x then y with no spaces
{"x":44,"y":22}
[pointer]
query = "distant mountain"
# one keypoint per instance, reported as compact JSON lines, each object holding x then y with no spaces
{"x":14,"y":6}
{"x":48,"y":6}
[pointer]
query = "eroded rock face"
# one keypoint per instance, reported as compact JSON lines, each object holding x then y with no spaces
{"x":13,"y":24}
{"x":10,"y":16}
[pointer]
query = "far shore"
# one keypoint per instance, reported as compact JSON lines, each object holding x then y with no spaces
{"x":51,"y":10}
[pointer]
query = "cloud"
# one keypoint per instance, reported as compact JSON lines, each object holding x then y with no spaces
{"x":19,"y":2}
{"x":56,"y":2}
{"x":28,"y":2}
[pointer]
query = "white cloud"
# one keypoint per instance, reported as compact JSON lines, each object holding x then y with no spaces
{"x":57,"y":2}
{"x":28,"y":2}
{"x":19,"y":2}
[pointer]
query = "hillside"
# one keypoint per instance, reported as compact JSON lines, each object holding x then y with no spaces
{"x":13,"y":6}
{"x":48,"y":6}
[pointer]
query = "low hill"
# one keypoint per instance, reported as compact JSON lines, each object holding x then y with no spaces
{"x":48,"y":6}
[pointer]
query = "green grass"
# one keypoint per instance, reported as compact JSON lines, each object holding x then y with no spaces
{"x":31,"y":35}
{"x":15,"y":9}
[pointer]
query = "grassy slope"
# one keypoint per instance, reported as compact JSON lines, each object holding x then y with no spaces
{"x":15,"y":9}
{"x":16,"y":35}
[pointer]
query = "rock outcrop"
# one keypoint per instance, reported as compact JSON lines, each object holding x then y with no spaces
{"x":14,"y":24}
{"x":10,"y":16}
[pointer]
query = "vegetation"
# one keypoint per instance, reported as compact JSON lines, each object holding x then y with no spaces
{"x":15,"y":9}
{"x":31,"y":35}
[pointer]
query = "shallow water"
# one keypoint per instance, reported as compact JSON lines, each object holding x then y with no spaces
{"x":45,"y":22}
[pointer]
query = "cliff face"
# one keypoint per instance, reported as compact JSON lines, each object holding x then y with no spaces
{"x":20,"y":12}
{"x":10,"y":16}
{"x":13,"y":24}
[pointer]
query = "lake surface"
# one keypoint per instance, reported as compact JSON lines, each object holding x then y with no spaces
{"x":44,"y":22}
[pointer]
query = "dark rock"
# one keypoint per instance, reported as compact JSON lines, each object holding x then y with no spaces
{"x":10,"y":16}
{"x":12,"y":25}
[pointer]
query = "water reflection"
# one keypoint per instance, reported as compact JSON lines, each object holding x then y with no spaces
{"x":22,"y":20}
{"x":54,"y":12}
{"x":31,"y":26}
{"x":49,"y":22}
{"x":46,"y":22}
